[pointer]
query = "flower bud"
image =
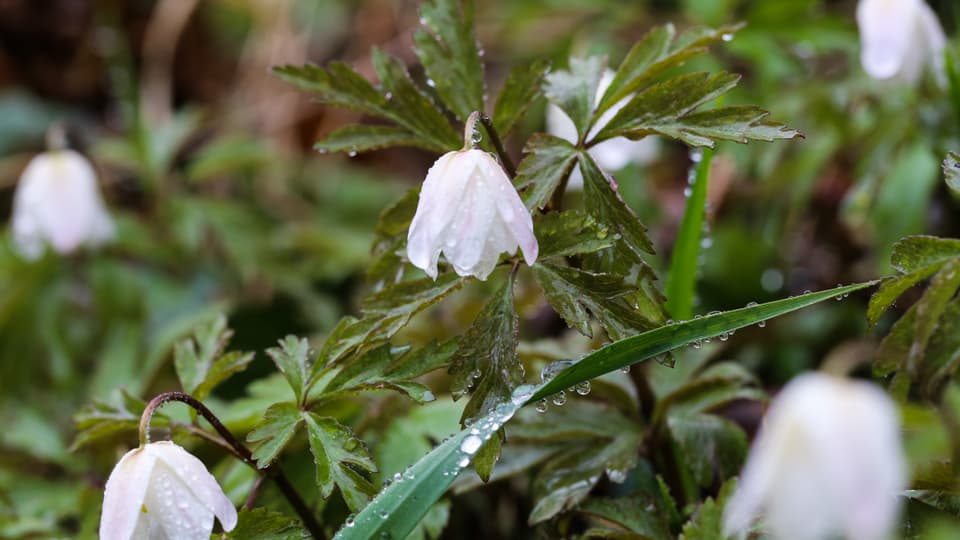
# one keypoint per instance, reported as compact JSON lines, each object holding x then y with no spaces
{"x":57,"y":202}
{"x":162,"y":491}
{"x":470,"y":211}
{"x":827,"y":463}
{"x":613,"y":154}
{"x":899,"y":39}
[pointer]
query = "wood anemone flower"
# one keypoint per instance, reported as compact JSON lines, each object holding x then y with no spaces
{"x":900,"y":39}
{"x":161,"y":491}
{"x":469,"y":211}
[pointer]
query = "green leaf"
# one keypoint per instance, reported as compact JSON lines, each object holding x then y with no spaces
{"x":354,"y":139}
{"x":641,"y":513}
{"x":930,"y":307}
{"x":411,"y":107}
{"x":293,"y":360}
{"x":709,"y":446}
{"x":682,"y":277}
{"x":660,"y":340}
{"x":338,"y":85}
{"x":574,"y":90}
{"x":561,"y":234}
{"x":522,"y":88}
{"x":393,"y":306}
{"x":655,"y":54}
{"x":942,"y":355}
{"x":341,"y":460}
{"x":447,"y":48}
{"x":892,"y":288}
{"x":265,"y":524}
{"x":573,"y":292}
{"x":591,"y":449}
{"x":707,"y":522}
{"x":913,"y":253}
{"x":222,"y":368}
{"x":193,"y":356}
{"x":279,"y":424}
{"x":397,"y":509}
{"x":102,"y":420}
{"x":669,"y":109}
{"x":607,"y":206}
{"x":951,"y":171}
{"x":549,"y":160}
{"x":487,"y":363}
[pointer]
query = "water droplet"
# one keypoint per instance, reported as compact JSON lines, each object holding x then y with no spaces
{"x":724,"y":336}
{"x":397,"y":477}
{"x":408,"y":474}
{"x":352,"y":153}
{"x":471,"y":444}
{"x":696,"y":155}
{"x":697,"y":344}
{"x":806,"y":291}
{"x":751,"y":304}
{"x":706,"y":243}
{"x":521,"y":394}
{"x":463,"y":462}
{"x":625,"y":369}
{"x":687,"y":192}
{"x":383,"y":514}
{"x":559,"y":398}
{"x":712,"y":313}
{"x":351,"y":521}
{"x":582,"y":388}
{"x":550,"y":370}
{"x":542,"y":406}
{"x":617,"y":475}
{"x":727,"y":37}
{"x":476,"y":374}
{"x":431,"y":83}
{"x":762,"y":324}
{"x":423,"y":21}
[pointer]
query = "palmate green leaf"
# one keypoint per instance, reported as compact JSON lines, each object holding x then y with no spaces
{"x":292,"y":358}
{"x":221,"y":370}
{"x":892,"y":288}
{"x":487,"y":363}
{"x":670,"y":109}
{"x":522,"y":88}
{"x":931,"y":306}
{"x":265,"y":524}
{"x":709,"y":446}
{"x":447,"y":48}
{"x":561,"y":234}
{"x":591,"y":450}
{"x":549,"y":160}
{"x":102,"y":420}
{"x":682,"y":276}
{"x":411,"y":107}
{"x":654,"y":54}
{"x":574,"y":90}
{"x":193,"y":356}
{"x":279,"y":424}
{"x":356,"y":139}
{"x":396,"y":510}
{"x":942,"y":355}
{"x":913,"y":253}
{"x":337,"y":84}
{"x":951,"y":171}
{"x":604,"y":202}
{"x":573,"y":293}
{"x":341,"y":460}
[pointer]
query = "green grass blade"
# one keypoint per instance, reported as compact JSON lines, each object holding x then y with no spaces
{"x":649,"y":344}
{"x":399,"y":507}
{"x":682,"y":277}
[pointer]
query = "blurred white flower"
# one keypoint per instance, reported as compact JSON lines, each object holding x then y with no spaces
{"x":827,"y":463}
{"x":471,"y":212}
{"x":57,"y":201}
{"x":613,"y":154}
{"x":899,"y":39}
{"x":161,"y":491}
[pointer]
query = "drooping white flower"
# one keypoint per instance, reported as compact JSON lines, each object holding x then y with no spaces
{"x":470,"y":211}
{"x":613,"y":154}
{"x":899,"y":39}
{"x":57,"y":202}
{"x":161,"y":491}
{"x":827,"y":463}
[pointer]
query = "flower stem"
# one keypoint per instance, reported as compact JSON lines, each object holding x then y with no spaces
{"x":273,"y":470}
{"x":470,"y":142}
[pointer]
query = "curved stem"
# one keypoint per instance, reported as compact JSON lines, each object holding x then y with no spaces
{"x":273,"y":471}
{"x":469,"y":142}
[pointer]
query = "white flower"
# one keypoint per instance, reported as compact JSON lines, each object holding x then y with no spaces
{"x":899,"y":38}
{"x":471,"y":212}
{"x":161,"y":491}
{"x":613,"y":154}
{"x":827,"y":463}
{"x":57,"y":202}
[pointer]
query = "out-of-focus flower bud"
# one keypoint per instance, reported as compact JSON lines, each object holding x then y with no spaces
{"x":899,"y":39}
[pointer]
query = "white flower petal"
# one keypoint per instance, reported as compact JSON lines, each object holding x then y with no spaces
{"x":899,"y":39}
{"x":174,"y":509}
{"x":124,"y":495}
{"x":201,"y":483}
{"x":57,"y":201}
{"x":470,"y":212}
{"x":827,"y":462}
